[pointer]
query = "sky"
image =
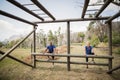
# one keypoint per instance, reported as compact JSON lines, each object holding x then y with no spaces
{"x":61,"y":9}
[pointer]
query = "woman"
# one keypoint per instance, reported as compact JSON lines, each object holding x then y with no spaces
{"x":89,"y":51}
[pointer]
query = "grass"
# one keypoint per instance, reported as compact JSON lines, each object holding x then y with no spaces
{"x":12,"y":70}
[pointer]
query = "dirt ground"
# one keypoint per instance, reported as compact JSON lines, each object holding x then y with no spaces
{"x":12,"y":70}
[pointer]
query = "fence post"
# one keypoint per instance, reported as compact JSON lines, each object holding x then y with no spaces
{"x":34,"y":47}
{"x":68,"y":45}
{"x":110,"y":44}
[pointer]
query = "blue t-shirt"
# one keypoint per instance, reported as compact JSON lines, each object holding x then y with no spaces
{"x":88,"y":50}
{"x":51,"y":48}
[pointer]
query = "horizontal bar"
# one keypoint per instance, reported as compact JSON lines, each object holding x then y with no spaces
{"x":25,"y":9}
{"x":46,"y":17}
{"x":95,"y":4}
{"x":72,"y":55}
{"x":72,"y":20}
{"x":36,"y":10}
{"x":1,"y":52}
{"x":71,"y":62}
{"x":89,"y":14}
{"x":27,"y":4}
{"x":49,"y":61}
{"x":116,"y":68}
{"x":93,"y":10}
{"x":16,"y":18}
{"x":103,"y":7}
{"x":113,"y":17}
{"x":88,"y":63}
{"x":15,"y":46}
{"x":85,"y":8}
{"x":43,"y":8}
{"x":41,"y":14}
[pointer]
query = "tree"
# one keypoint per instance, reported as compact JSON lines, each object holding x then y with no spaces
{"x":1,"y":44}
{"x":41,"y":38}
{"x":81,"y":35}
{"x":50,"y":36}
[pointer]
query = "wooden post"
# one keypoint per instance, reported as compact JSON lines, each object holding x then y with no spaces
{"x":110,"y":43}
{"x":34,"y":47}
{"x":68,"y":45}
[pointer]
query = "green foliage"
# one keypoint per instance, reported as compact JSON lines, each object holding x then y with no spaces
{"x":10,"y":44}
{"x":1,"y":44}
{"x":54,"y":36}
{"x":117,"y":51}
{"x":94,"y":41}
{"x":50,"y":36}
{"x":105,"y":39}
{"x":41,"y":38}
{"x":116,"y":38}
{"x":81,"y":35}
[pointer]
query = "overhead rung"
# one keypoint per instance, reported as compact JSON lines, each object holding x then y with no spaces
{"x":95,"y":5}
{"x":89,"y":14}
{"x":41,"y":14}
{"x":93,"y":10}
{"x":27,"y":4}
{"x":45,"y":17}
{"x":36,"y":10}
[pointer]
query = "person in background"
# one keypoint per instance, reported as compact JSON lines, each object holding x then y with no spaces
{"x":89,"y":51}
{"x":50,"y":49}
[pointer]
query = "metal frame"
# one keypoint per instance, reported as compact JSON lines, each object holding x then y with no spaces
{"x":74,"y":20}
{"x":74,"y":55}
{"x":103,"y":7}
{"x":113,"y":17}
{"x":68,"y":56}
{"x":25,"y":9}
{"x":43,"y":8}
{"x":68,"y":45}
{"x":39,"y":5}
{"x":15,"y":17}
{"x":85,"y":8}
{"x":118,"y":4}
{"x":93,"y":10}
{"x":110,"y":43}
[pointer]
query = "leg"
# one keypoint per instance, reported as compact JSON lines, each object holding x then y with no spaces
{"x":92,"y":59}
{"x":87,"y":61}
{"x":48,"y":52}
{"x":53,"y":59}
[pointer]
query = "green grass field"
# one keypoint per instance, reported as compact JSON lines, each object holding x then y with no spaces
{"x":12,"y":70}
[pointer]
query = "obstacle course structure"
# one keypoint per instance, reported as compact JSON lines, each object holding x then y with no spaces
{"x":54,"y":20}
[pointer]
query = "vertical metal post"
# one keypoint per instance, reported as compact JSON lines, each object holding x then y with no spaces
{"x":110,"y":43}
{"x":34,"y":47}
{"x":68,"y":45}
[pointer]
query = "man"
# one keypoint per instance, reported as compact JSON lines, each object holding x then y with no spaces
{"x":89,"y":51}
{"x":50,"y":49}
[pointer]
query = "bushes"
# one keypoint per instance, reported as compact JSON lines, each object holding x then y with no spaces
{"x":1,"y":44}
{"x":116,"y":37}
{"x":116,"y":50}
{"x":116,"y":40}
{"x":94,"y":41}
